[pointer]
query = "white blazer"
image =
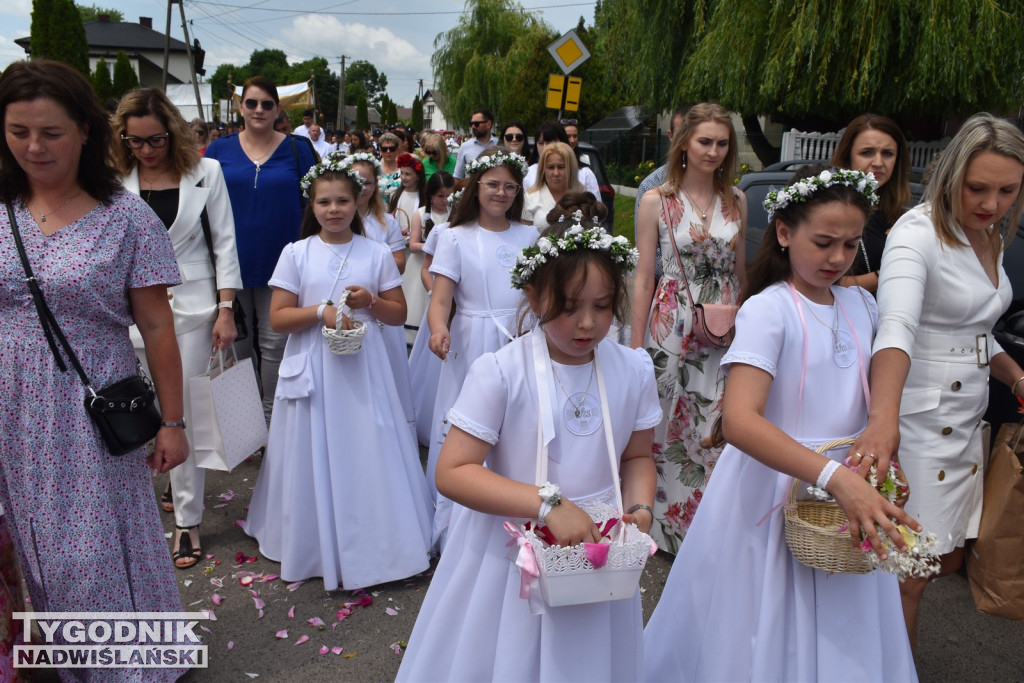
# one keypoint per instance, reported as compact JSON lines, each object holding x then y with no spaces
{"x":194,"y":301}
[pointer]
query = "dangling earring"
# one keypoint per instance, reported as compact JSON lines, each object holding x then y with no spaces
{"x":684,"y":161}
{"x":721,"y":171}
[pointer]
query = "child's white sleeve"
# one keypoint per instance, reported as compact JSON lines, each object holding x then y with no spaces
{"x":480,"y":409}
{"x":396,"y":242}
{"x":447,"y":259}
{"x":286,"y":272}
{"x":760,"y":331}
{"x":389,"y":277}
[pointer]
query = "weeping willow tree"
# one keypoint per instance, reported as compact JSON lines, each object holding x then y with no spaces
{"x":482,"y":61}
{"x":823,"y":59}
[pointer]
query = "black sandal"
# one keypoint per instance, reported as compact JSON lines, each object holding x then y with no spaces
{"x":185,"y":551}
{"x":166,"y":502}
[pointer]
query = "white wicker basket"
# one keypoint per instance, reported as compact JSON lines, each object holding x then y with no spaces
{"x":567,"y":577}
{"x":344,"y":342}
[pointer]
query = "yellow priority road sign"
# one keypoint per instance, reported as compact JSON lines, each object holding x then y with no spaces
{"x":569,"y":52}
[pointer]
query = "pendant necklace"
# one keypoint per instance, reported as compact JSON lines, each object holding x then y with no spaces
{"x":703,"y":212}
{"x":42,"y":216}
{"x":341,"y":268}
{"x":842,"y":347}
{"x":578,"y":407}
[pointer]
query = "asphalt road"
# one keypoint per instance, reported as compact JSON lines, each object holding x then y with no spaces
{"x":957,"y":643}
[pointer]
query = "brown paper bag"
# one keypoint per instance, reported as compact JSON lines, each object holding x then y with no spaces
{"x":995,"y":563}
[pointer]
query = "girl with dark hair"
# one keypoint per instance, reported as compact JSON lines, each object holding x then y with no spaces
{"x":471,"y":269}
{"x":473,"y":625}
{"x":159,"y":162}
{"x":875,"y":144}
{"x":262,"y":169}
{"x":513,"y":138}
{"x":84,"y":523}
{"x":338,"y":419}
{"x":797,"y":380}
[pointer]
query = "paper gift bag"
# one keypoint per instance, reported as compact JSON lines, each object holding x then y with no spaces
{"x":995,"y":563}
{"x":227,"y":414}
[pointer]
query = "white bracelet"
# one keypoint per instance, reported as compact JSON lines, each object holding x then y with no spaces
{"x":320,"y":312}
{"x":545,"y":510}
{"x":226,"y":304}
{"x":826,"y":474}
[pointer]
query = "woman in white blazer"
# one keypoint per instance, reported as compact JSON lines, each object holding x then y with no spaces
{"x":941,"y":289}
{"x":159,"y":161}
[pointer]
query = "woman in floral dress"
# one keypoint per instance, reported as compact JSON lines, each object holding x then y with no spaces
{"x":698,"y":218}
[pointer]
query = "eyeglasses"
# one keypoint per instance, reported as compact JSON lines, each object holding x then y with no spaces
{"x":388,"y":148}
{"x":477,"y":123}
{"x":569,"y":122}
{"x":154,"y":141}
{"x":252,"y":104}
{"x":495,"y":186}
{"x":514,"y":137}
{"x":197,"y":131}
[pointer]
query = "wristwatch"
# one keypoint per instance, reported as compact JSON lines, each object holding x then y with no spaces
{"x":173,"y":424}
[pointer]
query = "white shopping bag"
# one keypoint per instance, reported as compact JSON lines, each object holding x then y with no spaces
{"x":227,"y":413}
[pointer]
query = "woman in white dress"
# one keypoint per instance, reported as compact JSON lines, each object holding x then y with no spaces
{"x":471,"y":268}
{"x":405,"y":202}
{"x":473,"y":625}
{"x":159,"y":162}
{"x":942,"y":288}
{"x":557,"y":174}
{"x":341,"y":493}
{"x":737,"y":605}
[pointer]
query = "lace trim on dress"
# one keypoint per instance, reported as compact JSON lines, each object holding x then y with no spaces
{"x":472,"y":428}
{"x":749,"y":359}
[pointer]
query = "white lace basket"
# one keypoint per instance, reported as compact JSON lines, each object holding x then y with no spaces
{"x":344,"y":342}
{"x":567,"y":577}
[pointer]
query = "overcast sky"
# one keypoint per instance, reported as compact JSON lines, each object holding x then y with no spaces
{"x":397,"y":36}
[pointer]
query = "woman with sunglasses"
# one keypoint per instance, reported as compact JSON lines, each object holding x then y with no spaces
{"x":201,"y":130}
{"x":513,"y":137}
{"x":262,"y":169}
{"x":390,"y":175}
{"x":436,"y":156}
{"x":159,"y":162}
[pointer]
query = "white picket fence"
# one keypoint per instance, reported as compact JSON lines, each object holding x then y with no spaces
{"x":797,"y":145}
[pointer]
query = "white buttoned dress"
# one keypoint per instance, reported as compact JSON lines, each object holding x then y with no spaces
{"x":937,"y":304}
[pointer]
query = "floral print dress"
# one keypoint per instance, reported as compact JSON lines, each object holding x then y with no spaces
{"x":690,"y":382}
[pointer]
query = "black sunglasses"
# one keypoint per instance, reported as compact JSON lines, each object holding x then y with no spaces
{"x":388,"y":148}
{"x":478,"y":123}
{"x":154,"y":141}
{"x":252,"y":104}
{"x":514,"y":137}
{"x":569,"y":122}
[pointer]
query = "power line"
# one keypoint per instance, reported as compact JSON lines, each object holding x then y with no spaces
{"x":371,"y":14}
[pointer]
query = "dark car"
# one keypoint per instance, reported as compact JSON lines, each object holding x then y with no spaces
{"x":1009,"y":330}
{"x":589,"y":155}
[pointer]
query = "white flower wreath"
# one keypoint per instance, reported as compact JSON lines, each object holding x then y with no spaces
{"x":349,"y":159}
{"x":499,"y":158}
{"x":329,"y":166}
{"x":575,"y":238}
{"x":799,"y":191}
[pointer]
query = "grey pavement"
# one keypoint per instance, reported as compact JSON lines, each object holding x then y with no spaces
{"x":957,"y":643}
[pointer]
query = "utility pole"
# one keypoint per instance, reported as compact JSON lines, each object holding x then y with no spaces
{"x":167,"y":44}
{"x":421,"y":90}
{"x":340,"y":123}
{"x":191,"y":61}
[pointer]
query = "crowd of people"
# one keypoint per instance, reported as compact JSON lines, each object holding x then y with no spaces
{"x":861,"y":317}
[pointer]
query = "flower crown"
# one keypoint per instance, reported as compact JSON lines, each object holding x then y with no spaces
{"x":409,"y":160}
{"x":454,"y":198}
{"x":494,"y":160}
{"x":802,"y":189}
{"x":330,"y":166}
{"x":575,"y":238}
{"x":348,"y":159}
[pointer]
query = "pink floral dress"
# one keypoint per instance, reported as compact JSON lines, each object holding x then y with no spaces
{"x":689,"y":381}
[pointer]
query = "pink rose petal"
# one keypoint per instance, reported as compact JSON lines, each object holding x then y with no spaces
{"x":219,"y":583}
{"x":245,"y":581}
{"x":324,"y":650}
{"x":261,"y":615}
{"x":597,"y":553}
{"x":317,"y":622}
{"x":227,"y":496}
{"x":291,"y":612}
{"x":294,"y":586}
{"x":337,"y":649}
{"x":205,"y":629}
{"x":259,"y":603}
{"x":283,"y":633}
{"x":216,"y":599}
{"x":231,"y":644}
{"x":210,"y":614}
{"x":302,"y":639}
{"x":240,"y":522}
{"x":392,"y":612}
{"x":268,"y":578}
{"x":221,"y":505}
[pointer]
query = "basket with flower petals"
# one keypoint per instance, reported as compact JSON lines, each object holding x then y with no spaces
{"x":343,"y":342}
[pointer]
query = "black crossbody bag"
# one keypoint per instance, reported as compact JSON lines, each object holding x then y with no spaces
{"x":124,"y":412}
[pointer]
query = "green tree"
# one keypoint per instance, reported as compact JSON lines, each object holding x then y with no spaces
{"x":64,"y":38}
{"x":362,"y":114}
{"x":492,"y":58}
{"x":392,"y":115}
{"x":416,"y":118}
{"x":101,"y":81}
{"x":92,"y":13}
{"x":362,"y":78}
{"x":125,"y":78}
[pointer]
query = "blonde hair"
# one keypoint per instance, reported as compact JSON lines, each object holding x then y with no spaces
{"x":572,"y":168}
{"x":435,"y":148}
{"x":696,"y":115}
{"x":980,"y":133}
{"x":376,"y":203}
{"x":183,"y":155}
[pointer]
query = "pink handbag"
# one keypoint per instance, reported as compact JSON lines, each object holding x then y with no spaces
{"x":713,"y":324}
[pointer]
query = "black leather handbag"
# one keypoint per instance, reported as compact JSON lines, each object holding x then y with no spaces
{"x":125,"y":413}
